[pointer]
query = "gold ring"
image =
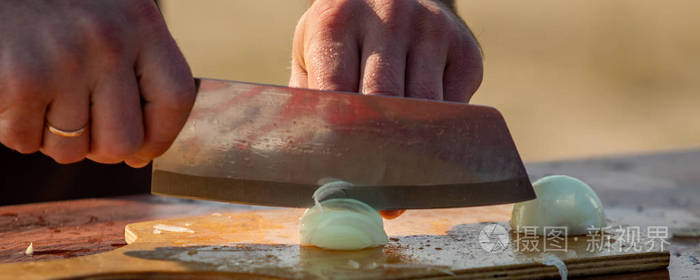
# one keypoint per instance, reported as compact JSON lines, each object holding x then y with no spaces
{"x":66,"y":133}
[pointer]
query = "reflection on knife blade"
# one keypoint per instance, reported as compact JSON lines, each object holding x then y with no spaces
{"x":270,"y":145}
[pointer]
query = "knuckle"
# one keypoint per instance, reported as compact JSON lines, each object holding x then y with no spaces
{"x":334,"y":15}
{"x":173,"y":88}
{"x":439,"y":20}
{"x":67,"y":157}
{"x":108,"y":36}
{"x":465,"y":53}
{"x":21,"y":140}
{"x":66,"y":53}
{"x":147,"y":11}
{"x":329,"y":70}
{"x":337,"y":82}
{"x":385,"y":86}
{"x":383,"y":77}
{"x":118,"y":150}
{"x":431,"y":34}
{"x":435,"y":25}
{"x":392,"y":14}
{"x":126,"y":148}
{"x":423,"y":90}
{"x":431,"y":8}
{"x":69,"y":61}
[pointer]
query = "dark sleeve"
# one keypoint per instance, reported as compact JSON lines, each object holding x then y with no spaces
{"x":35,"y":178}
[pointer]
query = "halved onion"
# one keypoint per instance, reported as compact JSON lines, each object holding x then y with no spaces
{"x":562,"y":201}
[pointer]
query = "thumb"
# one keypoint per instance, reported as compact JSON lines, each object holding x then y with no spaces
{"x":168,"y":93}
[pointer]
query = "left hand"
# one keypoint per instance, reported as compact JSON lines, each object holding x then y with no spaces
{"x":411,"y":48}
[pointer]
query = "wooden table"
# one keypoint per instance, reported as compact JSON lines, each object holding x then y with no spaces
{"x":648,"y":190}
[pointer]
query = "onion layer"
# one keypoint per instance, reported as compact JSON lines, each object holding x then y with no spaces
{"x":342,"y":224}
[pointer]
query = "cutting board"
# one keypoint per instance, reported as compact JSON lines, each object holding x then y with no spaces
{"x":427,"y":244}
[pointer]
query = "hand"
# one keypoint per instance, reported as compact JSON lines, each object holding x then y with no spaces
{"x":111,"y":66}
{"x":411,"y":48}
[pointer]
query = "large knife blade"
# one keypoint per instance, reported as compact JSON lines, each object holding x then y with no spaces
{"x":272,"y":145}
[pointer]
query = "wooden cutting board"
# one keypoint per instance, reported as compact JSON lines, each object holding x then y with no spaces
{"x":433,"y":244}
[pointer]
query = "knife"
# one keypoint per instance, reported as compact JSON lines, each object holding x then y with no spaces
{"x":273,"y":145}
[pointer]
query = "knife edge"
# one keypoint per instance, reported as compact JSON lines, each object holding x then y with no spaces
{"x":387,"y":197}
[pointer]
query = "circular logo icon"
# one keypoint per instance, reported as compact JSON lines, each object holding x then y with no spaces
{"x":493,"y":237}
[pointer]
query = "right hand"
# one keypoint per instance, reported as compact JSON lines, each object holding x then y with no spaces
{"x":111,"y":65}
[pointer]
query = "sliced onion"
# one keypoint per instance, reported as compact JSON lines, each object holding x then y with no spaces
{"x":342,"y":224}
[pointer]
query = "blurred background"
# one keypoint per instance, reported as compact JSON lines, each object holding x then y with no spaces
{"x":575,"y":78}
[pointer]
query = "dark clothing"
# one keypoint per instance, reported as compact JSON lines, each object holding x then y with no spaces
{"x":36,"y":177}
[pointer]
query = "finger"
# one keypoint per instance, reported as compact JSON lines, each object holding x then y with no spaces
{"x":383,"y":65}
{"x":391,"y":214}
{"x":299,"y":76}
{"x":116,"y":123}
{"x":330,"y":56}
{"x":69,"y":111}
{"x":425,"y":66}
{"x":22,"y":109}
{"x":167,"y":89}
{"x":21,"y":127}
{"x":464,"y":71}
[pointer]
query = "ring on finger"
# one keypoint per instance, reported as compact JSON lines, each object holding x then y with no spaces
{"x":66,"y":133}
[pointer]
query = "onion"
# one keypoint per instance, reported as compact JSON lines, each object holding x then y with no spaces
{"x":562,"y":201}
{"x":341,"y":223}
{"x":30,"y":249}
